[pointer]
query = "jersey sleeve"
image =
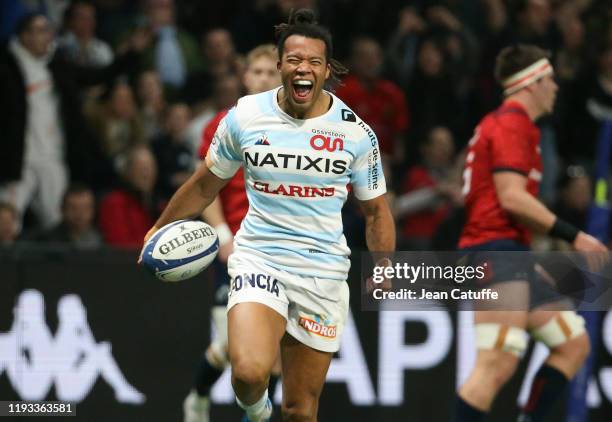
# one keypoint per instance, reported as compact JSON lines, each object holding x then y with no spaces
{"x":367,"y":177}
{"x":224,"y":151}
{"x":510,"y":150}
{"x":209,"y":132}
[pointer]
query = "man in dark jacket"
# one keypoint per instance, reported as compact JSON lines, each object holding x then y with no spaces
{"x":45,"y":141}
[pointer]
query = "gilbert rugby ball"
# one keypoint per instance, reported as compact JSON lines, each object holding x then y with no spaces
{"x":180,"y":250}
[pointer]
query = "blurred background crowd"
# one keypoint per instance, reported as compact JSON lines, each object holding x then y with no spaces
{"x":103,"y":102}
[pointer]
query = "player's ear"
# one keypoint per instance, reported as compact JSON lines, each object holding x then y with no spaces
{"x":328,"y":71}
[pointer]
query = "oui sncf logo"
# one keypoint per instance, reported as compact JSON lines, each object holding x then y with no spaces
{"x":320,"y":142}
{"x":184,"y":238}
{"x":327,"y":140}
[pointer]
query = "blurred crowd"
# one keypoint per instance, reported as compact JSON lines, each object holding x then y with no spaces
{"x":104,"y":102}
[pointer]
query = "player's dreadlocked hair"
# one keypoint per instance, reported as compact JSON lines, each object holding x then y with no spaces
{"x":303,"y":22}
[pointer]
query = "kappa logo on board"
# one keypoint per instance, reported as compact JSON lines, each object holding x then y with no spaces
{"x":71,"y":361}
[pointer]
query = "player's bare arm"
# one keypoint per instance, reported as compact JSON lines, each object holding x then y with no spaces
{"x":527,"y":209}
{"x":191,"y":198}
{"x":511,"y":188}
{"x":380,"y":231}
{"x":380,"y":227}
{"x":213,"y":215}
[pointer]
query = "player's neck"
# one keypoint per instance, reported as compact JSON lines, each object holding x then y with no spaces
{"x":523,"y":98}
{"x":319,"y":108}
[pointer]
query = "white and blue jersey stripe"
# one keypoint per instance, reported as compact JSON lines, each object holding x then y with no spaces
{"x":296,"y":176}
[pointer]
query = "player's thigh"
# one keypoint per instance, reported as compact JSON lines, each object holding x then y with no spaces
{"x":257,"y":315}
{"x":505,"y":318}
{"x":303,"y":372}
{"x":255,"y":331}
{"x":511,"y":305}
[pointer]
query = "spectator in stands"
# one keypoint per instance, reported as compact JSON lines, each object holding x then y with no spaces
{"x":127,"y":213}
{"x":12,"y":11}
{"x":174,"y":53}
{"x":459,"y":44}
{"x":79,"y":41}
{"x":587,"y":105}
{"x":116,"y":120}
{"x":227,"y":90}
{"x":402,"y":46}
{"x":219,"y":54}
{"x":174,"y":157}
{"x":379,"y":102}
{"x":496,"y":16}
{"x":152,"y":103}
{"x":430,"y":190}
{"x":220,"y":59}
{"x":433,"y":93}
{"x":8,"y":224}
{"x":570,"y":58}
{"x":535,"y":24}
{"x":44,"y":133}
{"x":77,"y":226}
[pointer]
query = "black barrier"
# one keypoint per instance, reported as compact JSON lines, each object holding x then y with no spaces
{"x":94,"y":329}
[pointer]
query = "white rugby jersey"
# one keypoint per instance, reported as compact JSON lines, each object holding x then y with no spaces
{"x":296,"y":175}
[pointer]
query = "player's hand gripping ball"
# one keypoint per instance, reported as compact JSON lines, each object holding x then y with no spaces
{"x":180,"y":250}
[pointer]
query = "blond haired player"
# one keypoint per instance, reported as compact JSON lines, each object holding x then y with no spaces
{"x":225,"y":214}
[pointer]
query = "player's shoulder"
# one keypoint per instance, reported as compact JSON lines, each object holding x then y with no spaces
{"x":247,"y":109}
{"x":349,"y":121}
{"x":255,"y":104}
{"x":511,"y":116}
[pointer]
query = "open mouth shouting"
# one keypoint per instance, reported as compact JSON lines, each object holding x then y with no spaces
{"x":302,"y":90}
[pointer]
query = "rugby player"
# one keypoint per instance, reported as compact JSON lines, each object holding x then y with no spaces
{"x":501,"y":178}
{"x":300,"y":146}
{"x":225,"y":214}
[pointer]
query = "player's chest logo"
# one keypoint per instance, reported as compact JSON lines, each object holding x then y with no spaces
{"x":262,"y":139}
{"x":327,"y":140}
{"x":320,"y":143}
{"x":315,"y":152}
{"x":287,"y":159}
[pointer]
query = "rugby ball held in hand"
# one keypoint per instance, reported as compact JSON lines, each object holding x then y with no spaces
{"x":180,"y":250}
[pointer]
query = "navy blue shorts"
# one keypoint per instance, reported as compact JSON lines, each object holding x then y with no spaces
{"x":504,"y":267}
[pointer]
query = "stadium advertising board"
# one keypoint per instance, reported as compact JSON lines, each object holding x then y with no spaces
{"x":95,"y":330}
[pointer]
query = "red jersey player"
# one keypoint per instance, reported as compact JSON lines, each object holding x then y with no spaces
{"x":501,"y":179}
{"x":225,"y":214}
